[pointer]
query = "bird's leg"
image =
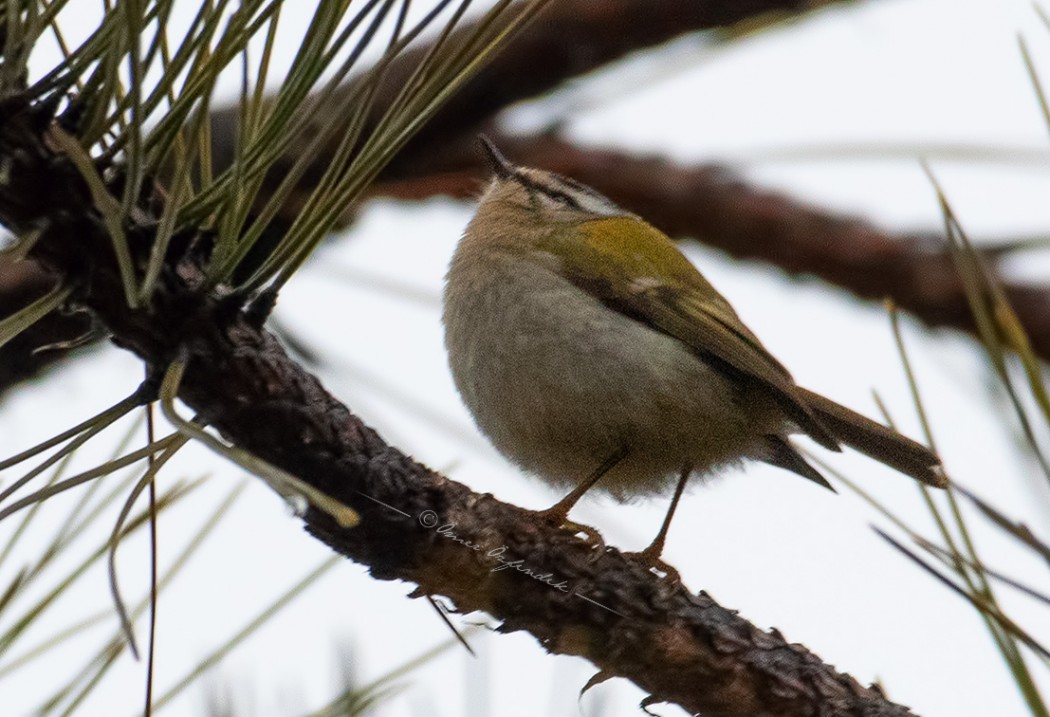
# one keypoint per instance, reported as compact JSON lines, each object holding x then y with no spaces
{"x":559,"y":512}
{"x":651,"y":555}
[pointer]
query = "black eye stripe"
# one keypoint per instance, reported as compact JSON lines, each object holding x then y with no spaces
{"x":560,"y":196}
{"x":546,"y":190}
{"x":579,"y":187}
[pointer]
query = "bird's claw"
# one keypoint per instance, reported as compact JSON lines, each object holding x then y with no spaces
{"x":590,"y":535}
{"x":652,"y":560}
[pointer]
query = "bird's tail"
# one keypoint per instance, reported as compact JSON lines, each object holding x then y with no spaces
{"x":877,"y":441}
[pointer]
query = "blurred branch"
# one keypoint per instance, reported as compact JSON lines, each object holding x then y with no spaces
{"x":708,"y":202}
{"x":573,"y":37}
{"x":21,"y":283}
{"x":714,"y":205}
{"x":570,"y":39}
{"x":602,"y":605}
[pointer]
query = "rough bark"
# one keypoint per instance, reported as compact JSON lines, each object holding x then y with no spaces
{"x":599,"y":604}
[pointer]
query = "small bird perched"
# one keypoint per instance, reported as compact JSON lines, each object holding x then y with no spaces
{"x":592,"y":352}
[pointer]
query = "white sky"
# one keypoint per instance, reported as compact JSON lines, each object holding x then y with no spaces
{"x":912,"y":75}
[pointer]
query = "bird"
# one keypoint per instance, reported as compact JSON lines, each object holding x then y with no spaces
{"x":593,"y":354}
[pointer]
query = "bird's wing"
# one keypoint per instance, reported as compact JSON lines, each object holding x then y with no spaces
{"x":635,"y":269}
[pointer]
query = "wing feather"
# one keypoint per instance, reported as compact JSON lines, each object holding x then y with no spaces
{"x":635,"y":269}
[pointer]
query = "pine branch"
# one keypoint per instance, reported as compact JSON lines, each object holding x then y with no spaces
{"x":601,"y":605}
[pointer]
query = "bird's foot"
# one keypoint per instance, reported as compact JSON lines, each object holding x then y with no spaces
{"x":650,"y":557}
{"x":559,"y":517}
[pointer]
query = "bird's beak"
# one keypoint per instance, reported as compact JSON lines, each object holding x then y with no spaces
{"x":495,"y":159}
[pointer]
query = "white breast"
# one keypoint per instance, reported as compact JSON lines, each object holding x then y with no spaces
{"x":559,"y":382}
